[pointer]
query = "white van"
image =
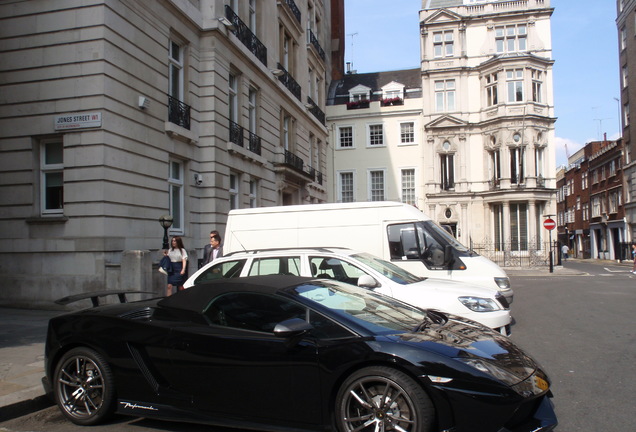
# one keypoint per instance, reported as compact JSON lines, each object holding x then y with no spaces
{"x":397,"y":232}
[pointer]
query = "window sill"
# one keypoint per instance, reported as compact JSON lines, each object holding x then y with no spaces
{"x":46,"y":220}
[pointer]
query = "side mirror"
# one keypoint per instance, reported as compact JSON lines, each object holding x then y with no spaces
{"x":448,"y":255}
{"x":292,"y":327}
{"x":366,"y":281}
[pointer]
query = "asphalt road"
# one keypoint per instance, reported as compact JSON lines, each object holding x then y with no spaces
{"x":580,"y":328}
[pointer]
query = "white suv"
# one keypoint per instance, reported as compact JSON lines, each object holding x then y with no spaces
{"x":477,"y":303}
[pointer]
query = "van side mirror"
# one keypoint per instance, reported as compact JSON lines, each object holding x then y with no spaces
{"x":448,"y":255}
{"x":366,"y":281}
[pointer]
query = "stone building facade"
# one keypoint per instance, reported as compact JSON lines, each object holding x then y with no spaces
{"x":116,"y":112}
{"x":482,"y":155}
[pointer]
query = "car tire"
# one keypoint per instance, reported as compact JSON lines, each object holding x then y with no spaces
{"x":84,"y":387}
{"x":384,"y":398}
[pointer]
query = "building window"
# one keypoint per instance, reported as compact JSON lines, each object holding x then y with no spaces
{"x":514,"y":79}
{"x":287,"y":132}
{"x":511,"y":38}
{"x":176,"y":70}
{"x":519,"y":226}
{"x":407,"y":133}
{"x":376,"y":185}
{"x":613,"y":202}
{"x":233,"y":97}
{"x":498,"y":224}
{"x":234,"y":190}
{"x":447,"y":171}
{"x":444,"y":95}
{"x":624,"y":76}
{"x":253,"y":193}
{"x":612,"y":168}
{"x":596,"y":206}
{"x":626,"y":114}
{"x":252,"y":16}
{"x":623,"y":38}
{"x":538,"y":161}
{"x":52,"y":177}
{"x":585,"y":211}
{"x":408,"y":186}
{"x":346,"y":187}
{"x":376,"y":135}
{"x":175,"y":184}
{"x":251,"y":109}
{"x":491,"y":90}
{"x":584,"y":181}
{"x":495,"y":167}
{"x":537,"y":85}
{"x":443,"y":44}
{"x":345,"y":137}
{"x":517,"y":171}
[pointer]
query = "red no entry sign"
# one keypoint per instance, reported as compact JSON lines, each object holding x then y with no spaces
{"x":549,"y":224}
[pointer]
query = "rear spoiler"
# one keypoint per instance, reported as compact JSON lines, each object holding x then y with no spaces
{"x":95,"y":295}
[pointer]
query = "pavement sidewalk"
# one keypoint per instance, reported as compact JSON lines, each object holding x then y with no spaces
{"x":22,"y":337}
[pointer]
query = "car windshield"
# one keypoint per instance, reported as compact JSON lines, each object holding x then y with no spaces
{"x":376,"y":313}
{"x":390,"y":270}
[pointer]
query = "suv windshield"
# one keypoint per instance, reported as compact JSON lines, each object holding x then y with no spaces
{"x":390,"y":270}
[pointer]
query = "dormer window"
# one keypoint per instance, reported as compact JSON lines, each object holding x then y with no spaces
{"x":392,"y":94}
{"x":359,"y":93}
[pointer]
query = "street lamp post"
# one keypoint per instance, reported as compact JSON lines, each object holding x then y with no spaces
{"x":166,"y":222}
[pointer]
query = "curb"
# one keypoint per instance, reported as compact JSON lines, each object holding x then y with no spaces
{"x":19,"y":409}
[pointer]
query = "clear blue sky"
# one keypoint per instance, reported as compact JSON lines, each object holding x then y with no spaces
{"x":383,"y":35}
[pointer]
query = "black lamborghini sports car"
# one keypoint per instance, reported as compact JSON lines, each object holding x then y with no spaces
{"x":283,"y":353}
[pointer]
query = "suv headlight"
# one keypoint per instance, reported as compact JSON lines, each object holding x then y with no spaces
{"x":480,"y":304}
{"x":503,"y":283}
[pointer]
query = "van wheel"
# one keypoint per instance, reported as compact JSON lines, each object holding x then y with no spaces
{"x":383,"y":399}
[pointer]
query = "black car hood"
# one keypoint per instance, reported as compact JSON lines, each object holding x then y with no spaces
{"x":460,"y":339}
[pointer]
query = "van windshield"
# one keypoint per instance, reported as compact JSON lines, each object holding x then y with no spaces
{"x":390,"y":270}
{"x":444,"y":236}
{"x":422,"y":240}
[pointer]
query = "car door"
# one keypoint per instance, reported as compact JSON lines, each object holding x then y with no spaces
{"x":225,"y":269}
{"x":237,"y":368}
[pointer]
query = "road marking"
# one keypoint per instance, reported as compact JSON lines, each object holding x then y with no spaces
{"x":616,"y":271}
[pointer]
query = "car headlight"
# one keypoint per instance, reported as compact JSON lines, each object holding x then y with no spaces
{"x":503,"y":283}
{"x":493,"y":370}
{"x":480,"y":304}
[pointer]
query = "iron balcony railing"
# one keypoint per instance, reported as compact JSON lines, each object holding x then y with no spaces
{"x":254,"y":143}
{"x":315,"y":110}
{"x":294,"y":161}
{"x":178,"y":112}
{"x":289,"y":81}
{"x":245,"y":35}
{"x":293,"y":8}
{"x":237,"y":136}
{"x":313,"y":41}
{"x":236,"y":133}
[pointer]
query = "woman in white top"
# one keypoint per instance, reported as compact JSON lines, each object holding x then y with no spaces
{"x":179,"y":261}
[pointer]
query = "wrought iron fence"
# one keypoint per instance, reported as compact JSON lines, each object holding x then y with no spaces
{"x":517,"y":254}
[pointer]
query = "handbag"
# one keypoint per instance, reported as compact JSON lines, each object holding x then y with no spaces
{"x":165,"y":266}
